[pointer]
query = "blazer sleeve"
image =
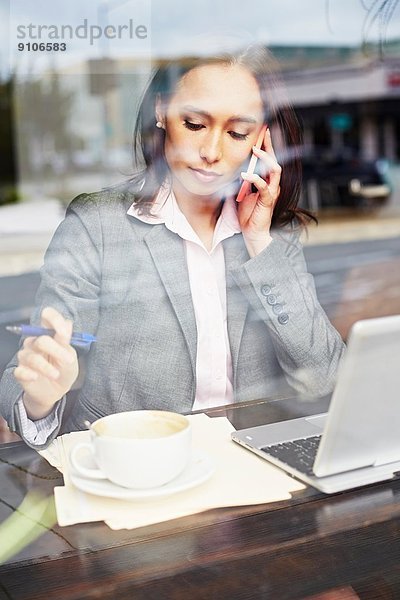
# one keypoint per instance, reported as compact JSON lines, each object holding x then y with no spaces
{"x":70,"y":283}
{"x":282,"y":294}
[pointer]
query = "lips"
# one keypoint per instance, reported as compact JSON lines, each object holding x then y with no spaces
{"x":205,"y":176}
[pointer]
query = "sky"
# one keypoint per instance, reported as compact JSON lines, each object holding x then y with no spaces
{"x":290,"y":22}
{"x":180,"y":26}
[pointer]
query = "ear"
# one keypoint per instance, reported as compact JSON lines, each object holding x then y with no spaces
{"x":159,"y":108}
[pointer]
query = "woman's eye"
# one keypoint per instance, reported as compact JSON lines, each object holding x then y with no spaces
{"x":192,"y":126}
{"x":198,"y":126}
{"x":239,"y":136}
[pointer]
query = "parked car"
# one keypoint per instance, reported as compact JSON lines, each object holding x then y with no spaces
{"x":342,"y":179}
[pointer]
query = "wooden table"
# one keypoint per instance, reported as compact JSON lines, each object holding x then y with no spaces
{"x":275,"y":551}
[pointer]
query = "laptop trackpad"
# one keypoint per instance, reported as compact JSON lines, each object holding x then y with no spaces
{"x":318,"y":421}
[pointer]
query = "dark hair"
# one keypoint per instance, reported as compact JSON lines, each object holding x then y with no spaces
{"x":148,"y":143}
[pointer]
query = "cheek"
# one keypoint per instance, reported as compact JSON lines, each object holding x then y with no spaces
{"x":239,"y":154}
{"x":179,"y":148}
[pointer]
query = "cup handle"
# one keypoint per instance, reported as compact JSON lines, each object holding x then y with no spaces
{"x":85,"y":471}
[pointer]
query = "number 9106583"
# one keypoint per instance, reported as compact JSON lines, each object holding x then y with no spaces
{"x":42,"y":46}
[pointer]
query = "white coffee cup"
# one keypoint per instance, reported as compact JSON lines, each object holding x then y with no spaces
{"x":139,"y":449}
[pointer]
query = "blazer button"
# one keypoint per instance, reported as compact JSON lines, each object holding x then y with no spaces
{"x":271,"y":299}
{"x":283,"y":318}
{"x":277,"y":309}
{"x":265,"y":290}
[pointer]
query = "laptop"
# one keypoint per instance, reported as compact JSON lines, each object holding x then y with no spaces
{"x":357,"y":442}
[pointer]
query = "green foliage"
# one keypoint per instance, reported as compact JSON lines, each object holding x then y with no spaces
{"x":9,"y":194}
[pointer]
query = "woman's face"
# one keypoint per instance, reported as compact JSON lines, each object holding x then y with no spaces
{"x":211,"y":122}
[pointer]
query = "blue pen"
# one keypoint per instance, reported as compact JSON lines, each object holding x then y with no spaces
{"x":77,"y":339}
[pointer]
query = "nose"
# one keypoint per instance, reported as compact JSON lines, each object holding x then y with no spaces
{"x":211,"y":148}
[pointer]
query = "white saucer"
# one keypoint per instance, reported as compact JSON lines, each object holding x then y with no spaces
{"x":199,"y":469}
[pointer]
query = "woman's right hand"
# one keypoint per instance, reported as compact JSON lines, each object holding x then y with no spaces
{"x":47,"y":366}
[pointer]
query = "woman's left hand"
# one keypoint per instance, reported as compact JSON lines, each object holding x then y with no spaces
{"x":256,"y":209}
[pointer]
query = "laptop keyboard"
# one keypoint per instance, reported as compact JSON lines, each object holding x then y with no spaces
{"x":299,"y":454}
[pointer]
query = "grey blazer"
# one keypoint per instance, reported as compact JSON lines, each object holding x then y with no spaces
{"x":127,"y":282}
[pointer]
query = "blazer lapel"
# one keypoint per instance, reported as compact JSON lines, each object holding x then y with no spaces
{"x":237,"y":306}
{"x":167,"y":251}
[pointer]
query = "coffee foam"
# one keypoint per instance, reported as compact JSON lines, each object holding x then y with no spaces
{"x":141,"y":427}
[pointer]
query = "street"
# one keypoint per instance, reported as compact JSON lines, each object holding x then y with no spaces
{"x":356,"y":280}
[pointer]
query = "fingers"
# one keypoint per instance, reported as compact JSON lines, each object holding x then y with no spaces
{"x":258,"y":181}
{"x":267,"y":194}
{"x":45,"y":355}
{"x":268,"y":183}
{"x":25,"y":374}
{"x":32,"y":364}
{"x":273,"y":171}
{"x":52,"y":319}
{"x":268,"y":144}
{"x":48,"y":346}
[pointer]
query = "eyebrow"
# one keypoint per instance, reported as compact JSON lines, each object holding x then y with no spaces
{"x":236,"y":118}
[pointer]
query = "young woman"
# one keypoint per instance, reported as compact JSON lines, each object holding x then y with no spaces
{"x":195,"y":300}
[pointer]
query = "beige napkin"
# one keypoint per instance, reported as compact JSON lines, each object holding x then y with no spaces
{"x":241,"y":478}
